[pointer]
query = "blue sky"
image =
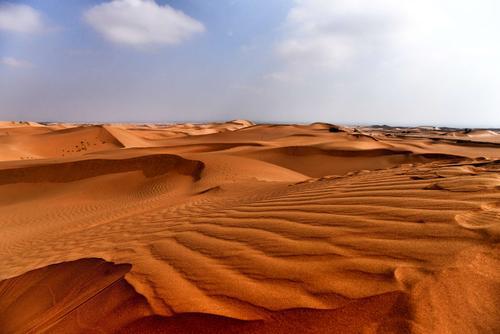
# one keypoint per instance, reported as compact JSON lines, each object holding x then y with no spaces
{"x":341,"y":61}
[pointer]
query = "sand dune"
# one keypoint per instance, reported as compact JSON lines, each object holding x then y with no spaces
{"x":56,"y":143}
{"x":243,"y":228}
{"x":96,"y":295}
{"x":150,"y":165}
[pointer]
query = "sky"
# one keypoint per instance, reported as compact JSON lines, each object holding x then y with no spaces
{"x":395,"y":62}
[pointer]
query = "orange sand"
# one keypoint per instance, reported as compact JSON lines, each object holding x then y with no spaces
{"x":243,"y":228}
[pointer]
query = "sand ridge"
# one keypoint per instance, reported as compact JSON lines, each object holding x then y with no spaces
{"x":250,"y":228}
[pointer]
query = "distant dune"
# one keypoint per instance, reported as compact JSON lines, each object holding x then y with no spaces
{"x":248,"y":228}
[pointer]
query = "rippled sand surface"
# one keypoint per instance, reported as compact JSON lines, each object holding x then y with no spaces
{"x":244,"y":228}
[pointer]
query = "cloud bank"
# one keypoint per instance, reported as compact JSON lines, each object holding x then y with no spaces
{"x":337,"y":34}
{"x":14,"y":62}
{"x":141,"y":23}
{"x":366,"y":60}
{"x":334,"y":33}
{"x":20,"y":18}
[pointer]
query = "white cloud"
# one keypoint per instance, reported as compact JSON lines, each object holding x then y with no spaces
{"x":339,"y":34}
{"x":14,"y":62}
{"x":20,"y":18}
{"x":141,"y":23}
{"x":393,"y":61}
{"x":334,"y":33}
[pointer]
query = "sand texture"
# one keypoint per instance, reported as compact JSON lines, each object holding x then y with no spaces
{"x":243,"y":228}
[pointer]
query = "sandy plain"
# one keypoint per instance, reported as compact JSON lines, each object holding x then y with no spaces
{"x":242,"y":228}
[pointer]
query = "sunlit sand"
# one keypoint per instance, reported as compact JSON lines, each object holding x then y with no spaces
{"x":244,"y":228}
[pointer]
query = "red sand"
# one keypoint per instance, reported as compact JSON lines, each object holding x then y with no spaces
{"x":242,"y":228}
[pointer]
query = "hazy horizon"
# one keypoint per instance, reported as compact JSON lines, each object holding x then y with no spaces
{"x":358,"y":62}
{"x":253,"y":121}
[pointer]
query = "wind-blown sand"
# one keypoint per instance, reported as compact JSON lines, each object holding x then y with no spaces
{"x":243,"y":228}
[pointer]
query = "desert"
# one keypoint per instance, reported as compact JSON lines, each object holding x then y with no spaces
{"x":240,"y":227}
{"x":249,"y":167}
